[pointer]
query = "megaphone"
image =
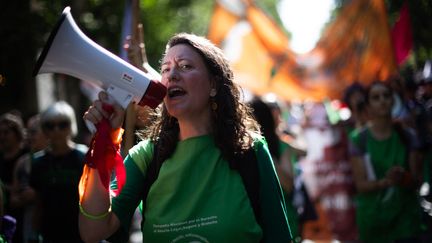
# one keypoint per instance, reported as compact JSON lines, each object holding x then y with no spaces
{"x":69,"y":51}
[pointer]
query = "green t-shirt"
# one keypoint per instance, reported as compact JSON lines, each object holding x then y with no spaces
{"x":393,"y":213}
{"x":197,"y":197}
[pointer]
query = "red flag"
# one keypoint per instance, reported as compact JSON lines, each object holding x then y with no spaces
{"x":104,"y":153}
{"x":402,"y":35}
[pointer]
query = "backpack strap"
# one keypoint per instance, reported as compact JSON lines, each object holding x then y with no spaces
{"x":249,"y":172}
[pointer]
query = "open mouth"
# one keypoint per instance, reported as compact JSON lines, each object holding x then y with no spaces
{"x":176,"y":92}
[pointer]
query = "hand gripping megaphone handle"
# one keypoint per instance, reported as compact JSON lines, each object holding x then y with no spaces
{"x":104,"y":152}
{"x":153,"y":96}
{"x":110,"y":101}
{"x":91,"y":127}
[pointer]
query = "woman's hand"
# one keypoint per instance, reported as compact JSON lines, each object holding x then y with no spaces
{"x":96,"y":112}
{"x":134,"y":51}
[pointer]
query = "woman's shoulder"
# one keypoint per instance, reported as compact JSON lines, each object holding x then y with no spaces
{"x":142,"y":153}
{"x":358,"y":135}
{"x":259,"y":144}
{"x":82,"y":148}
{"x":39,"y":155}
{"x":258,"y":139}
{"x":141,"y":147}
{"x":79,"y":151}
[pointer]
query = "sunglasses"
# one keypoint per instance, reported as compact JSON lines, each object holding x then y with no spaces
{"x":61,"y":125}
{"x":383,"y":95}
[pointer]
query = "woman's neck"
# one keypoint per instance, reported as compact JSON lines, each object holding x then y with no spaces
{"x":194,"y":127}
{"x":188,"y":131}
{"x":381,"y":128}
{"x":61,"y":148}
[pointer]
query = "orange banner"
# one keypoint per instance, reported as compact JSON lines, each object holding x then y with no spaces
{"x":356,"y":46}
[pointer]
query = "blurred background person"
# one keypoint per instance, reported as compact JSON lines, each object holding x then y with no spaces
{"x":2,"y":202}
{"x":55,"y":174}
{"x":22,"y":195}
{"x":286,"y":116}
{"x":12,"y":148}
{"x":387,"y":172}
{"x":355,"y":98}
{"x":417,"y":111}
{"x":425,"y":190}
{"x":400,"y":110}
{"x":424,"y":91}
{"x":281,"y":155}
{"x":327,"y":174}
{"x":7,"y":223}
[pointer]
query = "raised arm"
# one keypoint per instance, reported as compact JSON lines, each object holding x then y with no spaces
{"x":96,"y":221}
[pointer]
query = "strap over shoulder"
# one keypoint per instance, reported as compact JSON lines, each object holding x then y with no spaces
{"x":249,"y":172}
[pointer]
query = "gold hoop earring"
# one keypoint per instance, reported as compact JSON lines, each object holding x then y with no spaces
{"x":214,"y":105}
{"x":213,"y":93}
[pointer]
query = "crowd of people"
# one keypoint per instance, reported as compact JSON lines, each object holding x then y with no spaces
{"x":40,"y":169}
{"x":211,"y":166}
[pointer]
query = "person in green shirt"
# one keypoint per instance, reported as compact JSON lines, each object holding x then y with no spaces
{"x":199,"y":134}
{"x":281,"y":154}
{"x":387,"y":173}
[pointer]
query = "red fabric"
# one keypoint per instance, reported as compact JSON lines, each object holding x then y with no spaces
{"x":104,"y":154}
{"x":402,"y":35}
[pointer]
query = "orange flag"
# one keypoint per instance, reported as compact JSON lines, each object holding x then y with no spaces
{"x":258,"y":50}
{"x":355,"y":47}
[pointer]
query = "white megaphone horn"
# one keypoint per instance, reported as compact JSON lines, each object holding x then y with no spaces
{"x":69,"y":51}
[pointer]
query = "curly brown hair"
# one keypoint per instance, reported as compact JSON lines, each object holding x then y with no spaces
{"x":232,"y":121}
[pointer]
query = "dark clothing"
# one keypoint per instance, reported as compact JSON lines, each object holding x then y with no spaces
{"x":56,"y":178}
{"x":7,"y":167}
